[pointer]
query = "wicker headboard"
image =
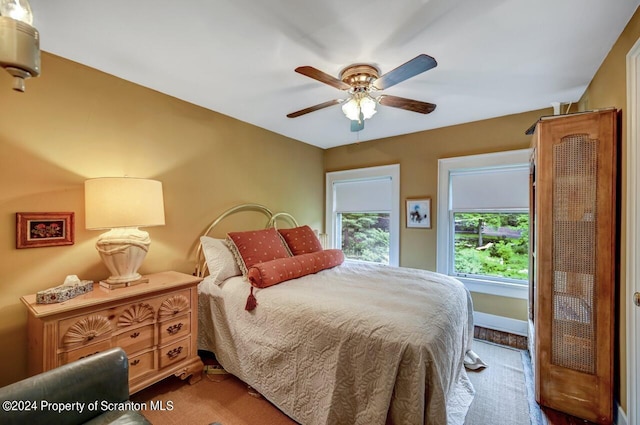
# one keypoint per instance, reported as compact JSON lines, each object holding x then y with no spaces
{"x":272,"y":220}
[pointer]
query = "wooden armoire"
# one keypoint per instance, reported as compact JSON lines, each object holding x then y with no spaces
{"x":573,"y":275}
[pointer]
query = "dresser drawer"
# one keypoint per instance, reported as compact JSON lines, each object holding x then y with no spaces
{"x":174,"y":329}
{"x":174,"y":305}
{"x":84,"y":330}
{"x":175,"y":352}
{"x":136,"y":339}
{"x":134,"y":314}
{"x":83,"y":352}
{"x":141,"y":364}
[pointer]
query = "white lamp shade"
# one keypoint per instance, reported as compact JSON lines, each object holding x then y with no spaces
{"x":351,"y":109}
{"x":112,"y":202}
{"x":367,"y":106}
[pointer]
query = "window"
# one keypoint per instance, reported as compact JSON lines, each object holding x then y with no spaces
{"x":493,"y":245}
{"x":364,"y":236}
{"x":363,"y":213}
{"x":483,"y":233}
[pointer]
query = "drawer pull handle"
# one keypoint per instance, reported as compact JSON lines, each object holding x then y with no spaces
{"x":88,"y":355}
{"x":174,"y":329}
{"x":172,"y":354}
{"x":135,"y":362}
{"x":135,"y":334}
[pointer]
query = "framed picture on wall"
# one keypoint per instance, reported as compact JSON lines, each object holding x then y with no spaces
{"x":419,"y":213}
{"x":39,"y":229}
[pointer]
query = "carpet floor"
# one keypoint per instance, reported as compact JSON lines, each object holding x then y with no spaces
{"x":216,"y":398}
{"x":502,"y":393}
{"x":502,"y":397}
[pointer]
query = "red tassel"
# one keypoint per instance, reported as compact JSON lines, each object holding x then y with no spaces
{"x":251,"y":301}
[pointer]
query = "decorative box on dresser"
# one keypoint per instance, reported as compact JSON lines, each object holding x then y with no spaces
{"x":155,"y":323}
{"x":573,"y":279}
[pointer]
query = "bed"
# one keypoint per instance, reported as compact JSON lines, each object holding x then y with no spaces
{"x":354,"y":343}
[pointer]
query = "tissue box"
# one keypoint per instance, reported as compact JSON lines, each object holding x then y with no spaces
{"x":71,"y":288}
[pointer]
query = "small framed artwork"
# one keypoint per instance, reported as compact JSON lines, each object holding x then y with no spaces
{"x":35,"y":230}
{"x":419,"y":213}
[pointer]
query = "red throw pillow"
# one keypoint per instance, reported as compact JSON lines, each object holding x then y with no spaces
{"x":301,"y":240}
{"x":256,"y":246}
{"x":269,"y":273}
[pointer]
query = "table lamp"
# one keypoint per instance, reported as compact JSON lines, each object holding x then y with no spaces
{"x":123,"y":204}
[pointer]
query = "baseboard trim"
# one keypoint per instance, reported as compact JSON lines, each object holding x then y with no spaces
{"x":620,"y":417}
{"x":500,"y":323}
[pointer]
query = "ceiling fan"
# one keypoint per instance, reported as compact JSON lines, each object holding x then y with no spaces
{"x":360,"y":80}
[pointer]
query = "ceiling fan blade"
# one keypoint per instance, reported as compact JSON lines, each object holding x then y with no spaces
{"x":323,"y":77}
{"x":315,"y":108}
{"x":415,"y":66}
{"x":408,"y":104}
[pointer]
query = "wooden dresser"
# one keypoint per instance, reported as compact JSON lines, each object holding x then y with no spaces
{"x":155,"y":323}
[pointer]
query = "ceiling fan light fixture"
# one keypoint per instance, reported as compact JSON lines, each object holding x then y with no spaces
{"x":360,"y":80}
{"x":351,"y":109}
{"x":367,"y":106}
{"x":359,"y":103}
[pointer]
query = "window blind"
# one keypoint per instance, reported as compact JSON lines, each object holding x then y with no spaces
{"x":490,"y":189}
{"x":373,"y":195}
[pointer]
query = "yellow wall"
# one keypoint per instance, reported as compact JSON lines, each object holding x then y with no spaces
{"x":609,"y":88}
{"x":418,"y":155}
{"x":74,"y":123}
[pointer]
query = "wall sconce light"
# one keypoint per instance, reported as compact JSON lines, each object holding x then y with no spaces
{"x":19,"y":42}
{"x":123,"y":204}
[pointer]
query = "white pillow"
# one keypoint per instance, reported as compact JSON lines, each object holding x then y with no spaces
{"x":220,"y":261}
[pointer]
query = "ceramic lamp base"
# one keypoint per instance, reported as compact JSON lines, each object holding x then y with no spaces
{"x":122,"y":250}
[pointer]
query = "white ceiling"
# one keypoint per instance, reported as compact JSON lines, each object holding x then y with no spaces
{"x":237,"y":57}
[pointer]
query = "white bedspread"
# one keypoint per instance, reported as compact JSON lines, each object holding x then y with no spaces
{"x":356,"y":344}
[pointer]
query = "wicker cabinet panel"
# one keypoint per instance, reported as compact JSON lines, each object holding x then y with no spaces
{"x":573,"y":234}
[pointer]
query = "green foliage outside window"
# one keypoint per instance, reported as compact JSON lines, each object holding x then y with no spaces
{"x":365,"y":236}
{"x":492,"y":244}
{"x":486,"y":244}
